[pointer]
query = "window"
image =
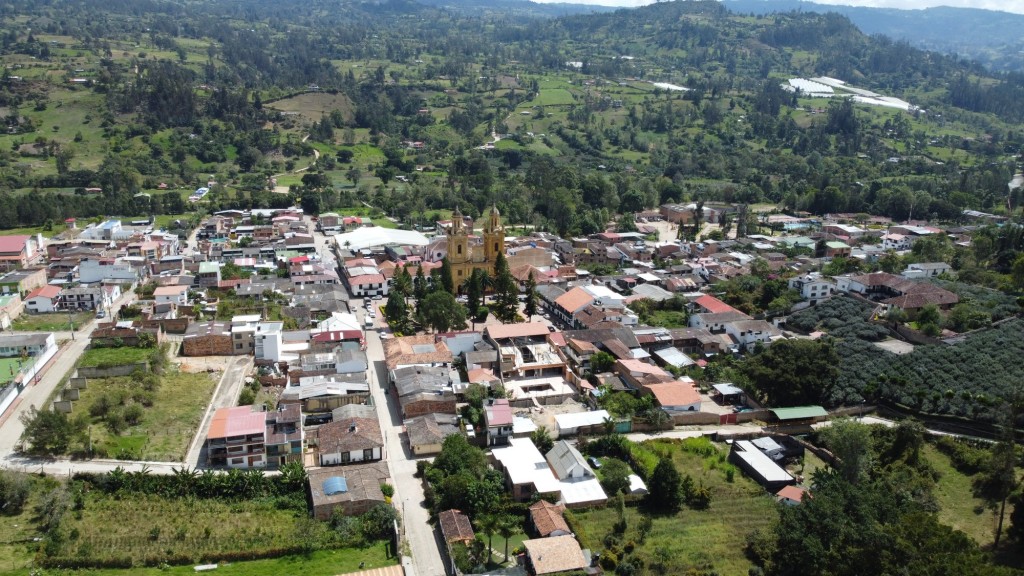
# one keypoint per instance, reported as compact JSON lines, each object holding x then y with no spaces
{"x":368,"y":454}
{"x":459,"y":249}
{"x":345,"y":457}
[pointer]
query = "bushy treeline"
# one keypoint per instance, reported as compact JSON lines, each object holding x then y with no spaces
{"x":190,"y":483}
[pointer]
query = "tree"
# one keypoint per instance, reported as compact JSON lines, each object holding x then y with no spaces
{"x":402,"y":282}
{"x":850,"y":441}
{"x":49,"y":432}
{"x":489,"y":524}
{"x":506,"y":292}
{"x":601,"y":362}
{"x":440,"y":311}
{"x":474,"y":287}
{"x":508,"y":525}
{"x":1017,"y":272}
{"x":397,"y":312}
{"x":541,"y":438}
{"x":793,"y":372}
{"x":378,"y":522}
{"x":447,"y":282}
{"x":998,"y":481}
{"x":615,"y":476}
{"x":419,"y":285}
{"x":530,"y":309}
{"x":664,"y":488}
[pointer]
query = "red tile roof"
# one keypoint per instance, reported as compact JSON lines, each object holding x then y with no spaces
{"x":48,"y":291}
{"x":13,"y":244}
{"x":713,"y":305}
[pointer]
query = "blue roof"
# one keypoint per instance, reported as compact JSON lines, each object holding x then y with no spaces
{"x":335,"y":485}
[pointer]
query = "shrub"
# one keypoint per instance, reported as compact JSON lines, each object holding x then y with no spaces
{"x":387,"y":490}
{"x":15,"y":488}
{"x":247,"y":397}
{"x":609,"y":560}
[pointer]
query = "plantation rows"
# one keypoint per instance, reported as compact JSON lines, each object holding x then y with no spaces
{"x":971,"y":379}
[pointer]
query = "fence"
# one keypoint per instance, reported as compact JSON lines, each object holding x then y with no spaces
{"x":113,"y":371}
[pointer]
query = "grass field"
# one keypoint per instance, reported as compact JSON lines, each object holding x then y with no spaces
{"x":9,"y":367}
{"x":54,"y":322}
{"x":166,"y":427}
{"x":713,"y":537}
{"x":958,"y":508}
{"x":115,"y":356}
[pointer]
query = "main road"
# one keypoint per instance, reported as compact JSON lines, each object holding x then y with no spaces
{"x":408,"y":498}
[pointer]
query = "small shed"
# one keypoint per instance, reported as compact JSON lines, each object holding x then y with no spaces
{"x":799,"y":415}
{"x":729,"y":393}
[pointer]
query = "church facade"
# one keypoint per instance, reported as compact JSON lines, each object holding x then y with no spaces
{"x":465,"y":256}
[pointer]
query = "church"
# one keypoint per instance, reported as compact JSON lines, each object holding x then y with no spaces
{"x":463,"y":256}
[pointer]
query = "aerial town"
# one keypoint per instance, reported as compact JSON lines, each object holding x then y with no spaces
{"x":511,"y":288}
{"x":345,"y":350}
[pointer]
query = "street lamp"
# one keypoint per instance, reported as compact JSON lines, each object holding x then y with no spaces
{"x":71,"y":323}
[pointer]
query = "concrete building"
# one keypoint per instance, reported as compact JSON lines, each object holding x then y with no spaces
{"x":237,"y":438}
{"x":350,"y":440}
{"x":354,"y":489}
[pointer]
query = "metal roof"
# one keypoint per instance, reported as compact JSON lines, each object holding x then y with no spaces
{"x":727,"y":389}
{"x":799,"y":412}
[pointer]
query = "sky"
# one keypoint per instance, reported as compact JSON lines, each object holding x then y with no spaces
{"x":1016,"y":6}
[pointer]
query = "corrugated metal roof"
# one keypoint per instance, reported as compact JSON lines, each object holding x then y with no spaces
{"x":799,"y":412}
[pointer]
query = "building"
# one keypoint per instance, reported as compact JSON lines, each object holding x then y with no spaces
{"x":237,"y":438}
{"x":212,"y":338}
{"x":91,"y":270}
{"x":425,"y":390}
{"x":455,"y":526}
{"x":554,"y":555}
{"x":917,"y":270}
{"x":524,"y":350}
{"x":350,"y":440}
{"x":44,"y":299}
{"x":465,"y":258}
{"x":548,"y":519}
{"x":527,"y":472}
{"x":676,"y":396}
{"x":22,"y":282}
{"x":354,"y":489}
{"x":88,"y":297}
{"x":812,"y":287}
{"x":422,"y":350}
{"x":208,"y":275}
{"x":498,"y":419}
{"x":27,"y":344}
{"x":19,"y":251}
{"x":758,"y":466}
{"x":284,"y":435}
{"x":177,"y":295}
{"x":569,"y":424}
{"x":426,"y":433}
{"x":747,"y":333}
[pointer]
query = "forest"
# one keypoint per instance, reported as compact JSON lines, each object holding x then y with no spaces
{"x":146,"y":101}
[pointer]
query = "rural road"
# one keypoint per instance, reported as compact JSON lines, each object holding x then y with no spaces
{"x":225,"y":395}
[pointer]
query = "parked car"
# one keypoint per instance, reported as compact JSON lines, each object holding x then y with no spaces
{"x":594,"y":462}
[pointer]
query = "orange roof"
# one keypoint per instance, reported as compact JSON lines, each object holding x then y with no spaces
{"x":713,"y":305}
{"x":521,"y":330}
{"x":574,"y":299}
{"x":674,"y":393}
{"x":170,"y":290}
{"x":48,"y":291}
{"x":641,"y":367}
{"x":794,"y":493}
{"x":237,"y":421}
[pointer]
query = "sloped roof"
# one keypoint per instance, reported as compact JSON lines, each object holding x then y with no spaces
{"x":564,"y":458}
{"x":237,"y":421}
{"x":548,"y":518}
{"x":574,"y":299}
{"x":676,"y":393}
{"x":13,"y":244}
{"x":49,"y":291}
{"x":519,"y":330}
{"x":555,"y":554}
{"x":414,"y":350}
{"x":455,"y":526}
{"x":350,"y":434}
{"x":713,"y":305}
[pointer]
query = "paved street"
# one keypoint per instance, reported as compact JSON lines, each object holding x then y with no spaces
{"x":37,"y":393}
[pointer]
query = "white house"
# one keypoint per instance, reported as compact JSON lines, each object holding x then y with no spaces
{"x":43,"y":299}
{"x":746,"y":333}
{"x":97,"y":270}
{"x":897,"y":242}
{"x":171,"y":295}
{"x":926,"y":270}
{"x":812,"y":287}
{"x":350,"y":440}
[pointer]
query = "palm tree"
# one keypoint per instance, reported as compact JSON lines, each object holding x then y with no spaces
{"x":507,"y":526}
{"x":489,"y":524}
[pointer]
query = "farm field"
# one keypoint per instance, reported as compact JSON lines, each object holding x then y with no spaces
{"x":709,"y":539}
